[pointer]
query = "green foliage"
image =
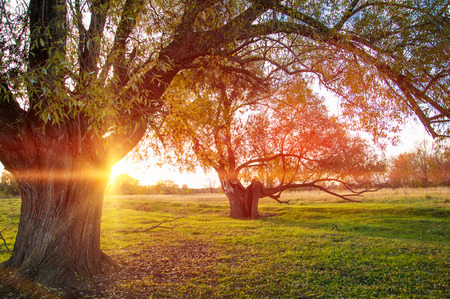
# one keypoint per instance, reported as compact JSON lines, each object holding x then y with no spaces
{"x":103,"y":66}
{"x":394,"y":244}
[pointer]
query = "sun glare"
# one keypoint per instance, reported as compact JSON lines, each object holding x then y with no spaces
{"x":122,"y":167}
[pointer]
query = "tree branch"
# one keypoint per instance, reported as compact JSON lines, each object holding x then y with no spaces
{"x":301,"y":17}
{"x":116,"y":56}
{"x":347,"y":15}
{"x":270,"y":192}
{"x":266,"y":159}
{"x":410,"y":92}
{"x":159,"y":225}
{"x":120,"y":144}
{"x":1,"y":236}
{"x":277,"y":198}
{"x":90,"y":40}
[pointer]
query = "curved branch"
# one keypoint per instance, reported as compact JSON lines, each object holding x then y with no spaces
{"x":270,"y":192}
{"x":410,"y":92}
{"x":301,"y":17}
{"x":251,"y":162}
{"x":120,"y":144}
{"x":116,"y":56}
{"x":4,"y":229}
{"x":277,"y":198}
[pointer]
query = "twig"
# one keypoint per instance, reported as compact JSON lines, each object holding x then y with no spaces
{"x":279,"y":200}
{"x":1,"y":236}
{"x":6,"y":245}
{"x":159,"y":225}
{"x":335,"y":227}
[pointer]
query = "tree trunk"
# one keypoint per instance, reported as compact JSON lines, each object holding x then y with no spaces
{"x":59,"y":230}
{"x":243,"y":201}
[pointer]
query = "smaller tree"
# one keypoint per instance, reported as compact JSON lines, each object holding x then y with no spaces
{"x":211,"y":183}
{"x":185,"y":189}
{"x":165,"y":187}
{"x":260,"y":145}
{"x":126,"y":185}
{"x":8,"y":185}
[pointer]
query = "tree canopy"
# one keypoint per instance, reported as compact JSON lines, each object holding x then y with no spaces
{"x":105,"y":64}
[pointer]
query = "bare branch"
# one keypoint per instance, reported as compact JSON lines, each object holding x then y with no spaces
{"x":260,"y":161}
{"x":159,"y":225}
{"x":269,"y":192}
{"x":6,"y":228}
{"x":277,"y":198}
{"x":335,"y":227}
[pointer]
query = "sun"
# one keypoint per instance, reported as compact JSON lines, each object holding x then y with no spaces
{"x":123,"y":167}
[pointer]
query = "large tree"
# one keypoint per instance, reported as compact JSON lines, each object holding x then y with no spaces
{"x":261,"y":144}
{"x":81,"y":80}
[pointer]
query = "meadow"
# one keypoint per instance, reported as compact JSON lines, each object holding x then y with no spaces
{"x":395,"y":244}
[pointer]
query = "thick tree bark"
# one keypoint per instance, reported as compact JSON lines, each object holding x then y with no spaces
{"x":59,"y":230}
{"x":243,"y":201}
{"x":62,"y":176}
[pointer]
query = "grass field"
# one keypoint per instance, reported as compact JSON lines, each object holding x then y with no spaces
{"x":395,"y":244}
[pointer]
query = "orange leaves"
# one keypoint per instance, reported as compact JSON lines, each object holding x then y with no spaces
{"x":282,"y":136}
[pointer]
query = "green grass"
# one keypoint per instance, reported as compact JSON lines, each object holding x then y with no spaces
{"x":9,"y":220}
{"x":393,"y":245}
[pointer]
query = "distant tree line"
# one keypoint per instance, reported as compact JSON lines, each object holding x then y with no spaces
{"x":125,"y":184}
{"x":428,"y":165}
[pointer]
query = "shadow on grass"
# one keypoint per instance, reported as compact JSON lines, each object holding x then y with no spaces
{"x":402,"y":223}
